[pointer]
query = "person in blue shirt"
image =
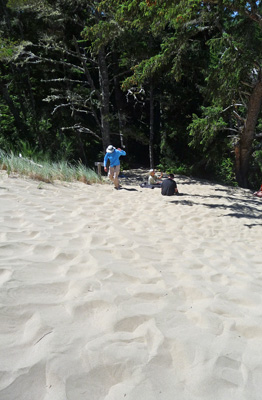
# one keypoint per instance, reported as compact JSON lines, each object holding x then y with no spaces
{"x":113,"y":154}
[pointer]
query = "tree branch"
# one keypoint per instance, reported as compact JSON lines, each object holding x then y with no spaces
{"x":60,"y":106}
{"x":239,"y":117}
{"x":82,"y":129}
{"x":232,"y":105}
{"x":63,"y":80}
{"x":39,"y":59}
{"x":231,"y":129}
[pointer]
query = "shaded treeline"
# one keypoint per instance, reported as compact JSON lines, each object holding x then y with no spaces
{"x":177,"y":83}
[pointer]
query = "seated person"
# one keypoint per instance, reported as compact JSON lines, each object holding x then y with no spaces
{"x":169,"y":187}
{"x":153,"y":179}
{"x":259,"y":192}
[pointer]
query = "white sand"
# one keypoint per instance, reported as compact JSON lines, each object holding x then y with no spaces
{"x":109,"y":295}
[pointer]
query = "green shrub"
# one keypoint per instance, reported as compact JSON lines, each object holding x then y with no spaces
{"x":225,"y":172}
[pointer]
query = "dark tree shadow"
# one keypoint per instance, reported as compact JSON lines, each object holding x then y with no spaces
{"x":236,"y":210}
{"x":129,"y":189}
{"x":252,"y":225}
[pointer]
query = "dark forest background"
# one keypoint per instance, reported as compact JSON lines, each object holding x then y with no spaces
{"x":176,"y":83}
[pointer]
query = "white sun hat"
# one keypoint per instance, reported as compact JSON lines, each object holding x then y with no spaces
{"x":110,"y":149}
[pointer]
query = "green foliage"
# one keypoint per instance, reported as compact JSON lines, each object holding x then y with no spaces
{"x":8,"y":133}
{"x":225,"y":172}
{"x":174,"y":168}
{"x":255,"y":173}
{"x":27,"y":150}
{"x":258,"y":160}
{"x":19,"y":3}
{"x":202,"y":59}
{"x":204,"y":130}
{"x":7,"y":48}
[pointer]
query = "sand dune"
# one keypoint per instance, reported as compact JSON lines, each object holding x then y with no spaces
{"x":127,"y":294}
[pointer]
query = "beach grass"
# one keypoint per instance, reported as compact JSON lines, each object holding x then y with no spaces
{"x":48,"y":171}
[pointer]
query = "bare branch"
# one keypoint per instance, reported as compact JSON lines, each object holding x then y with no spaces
{"x":86,"y":71}
{"x":91,"y":83}
{"x":60,"y":106}
{"x":63,"y":80}
{"x":243,"y":101}
{"x":82,"y":111}
{"x":64,"y":51}
{"x":34,"y":59}
{"x":82,"y":129}
{"x":231,"y":129}
{"x":247,"y":84}
{"x":246,"y":93}
{"x":239,"y":117}
{"x":232,"y":105}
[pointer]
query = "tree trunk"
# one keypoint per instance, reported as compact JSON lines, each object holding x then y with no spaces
{"x":91,"y":84}
{"x":104,"y":108}
{"x":151,"y":127}
{"x":35,"y":121}
{"x":81,"y":148}
{"x":20,"y":126}
{"x":120,"y":101}
{"x":120,"y":111}
{"x":4,"y":12}
{"x":243,"y":150}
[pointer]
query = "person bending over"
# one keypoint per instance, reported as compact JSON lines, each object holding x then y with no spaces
{"x":169,"y":187}
{"x":113,"y":154}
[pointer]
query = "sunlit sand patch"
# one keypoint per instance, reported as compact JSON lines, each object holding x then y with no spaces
{"x":125,"y":294}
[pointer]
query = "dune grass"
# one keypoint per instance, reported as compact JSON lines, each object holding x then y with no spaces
{"x":48,"y":171}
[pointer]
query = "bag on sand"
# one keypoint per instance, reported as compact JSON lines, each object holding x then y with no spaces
{"x":146,"y":185}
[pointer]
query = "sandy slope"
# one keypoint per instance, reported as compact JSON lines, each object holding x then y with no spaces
{"x":109,"y":295}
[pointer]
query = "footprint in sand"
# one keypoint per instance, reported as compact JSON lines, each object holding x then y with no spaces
{"x":130,"y":324}
{"x":19,"y":388}
{"x":251,"y":331}
{"x":50,"y":293}
{"x":11,"y":249}
{"x":220,"y":278}
{"x":97,"y":382}
{"x":5,"y":275}
{"x":206,"y":321}
{"x":98,"y":240}
{"x":229,"y":370}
